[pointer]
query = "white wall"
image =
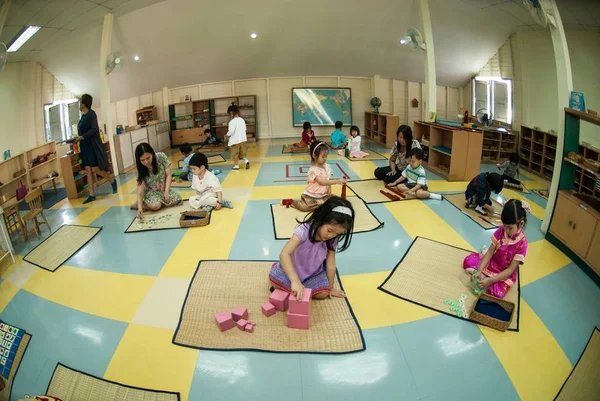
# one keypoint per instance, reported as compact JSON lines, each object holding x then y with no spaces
{"x":274,"y":100}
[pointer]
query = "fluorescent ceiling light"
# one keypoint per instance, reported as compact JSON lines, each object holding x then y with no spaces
{"x":23,"y":37}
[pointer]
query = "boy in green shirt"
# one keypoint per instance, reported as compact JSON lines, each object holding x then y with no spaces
{"x":413,"y":181}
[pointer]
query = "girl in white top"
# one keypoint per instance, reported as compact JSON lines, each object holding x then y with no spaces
{"x":237,"y":137}
{"x":355,"y":152}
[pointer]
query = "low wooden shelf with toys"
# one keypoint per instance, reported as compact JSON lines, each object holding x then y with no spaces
{"x":74,"y":175}
{"x":381,"y":128}
{"x":497,"y":145}
{"x":537,"y":150}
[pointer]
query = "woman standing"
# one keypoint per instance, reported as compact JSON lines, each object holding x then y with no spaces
{"x":93,"y":153}
{"x":398,"y":155}
{"x":154,"y":180}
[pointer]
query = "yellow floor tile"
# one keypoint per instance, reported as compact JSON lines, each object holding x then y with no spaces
{"x":86,"y":217}
{"x":211,"y":242}
{"x":412,"y":215}
{"x":374,"y":308}
{"x":242,"y":177}
{"x":111,"y":295}
{"x":542,"y":259}
{"x":364,"y":169}
{"x":532,"y":358}
{"x":445,"y":186}
{"x":146,"y":358}
{"x":7,"y":292}
{"x":536,"y":185}
{"x":536,"y":209}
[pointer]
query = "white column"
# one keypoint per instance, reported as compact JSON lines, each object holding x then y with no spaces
{"x":105,"y":105}
{"x":429,"y":94}
{"x":565,"y":86}
{"x":4,"y":13}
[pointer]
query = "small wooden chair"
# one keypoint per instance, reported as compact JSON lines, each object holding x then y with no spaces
{"x":34,"y":200}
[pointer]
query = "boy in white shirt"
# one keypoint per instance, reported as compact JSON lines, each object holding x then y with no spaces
{"x":209,"y":193}
{"x":237,"y":137}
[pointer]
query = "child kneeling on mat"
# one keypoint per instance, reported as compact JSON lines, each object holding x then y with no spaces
{"x":209,"y":193}
{"x":319,"y":185}
{"x":480,"y":189}
{"x":496,"y":271}
{"x":414,"y":177}
{"x":308,"y":259}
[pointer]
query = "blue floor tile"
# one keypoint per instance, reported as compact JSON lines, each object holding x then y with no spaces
{"x":134,"y":253}
{"x":59,"y":334}
{"x":246,"y":376}
{"x":567,"y":302}
{"x":379,"y":373}
{"x":451,"y":360}
{"x":294,"y":173}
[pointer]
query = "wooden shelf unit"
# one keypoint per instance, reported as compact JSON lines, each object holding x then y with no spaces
{"x":497,"y":146}
{"x":32,"y":176}
{"x":210,"y":114}
{"x":454,"y":153}
{"x":421,"y":133}
{"x":145,"y":115}
{"x":586,"y":181}
{"x":381,"y":128}
{"x":537,"y":150}
{"x":74,"y":175}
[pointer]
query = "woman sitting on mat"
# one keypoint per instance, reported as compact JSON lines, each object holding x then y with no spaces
{"x":319,"y":185}
{"x":154,"y":180}
{"x":496,"y":271}
{"x":308,"y":259}
{"x":398,"y":155}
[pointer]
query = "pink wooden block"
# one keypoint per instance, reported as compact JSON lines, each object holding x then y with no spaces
{"x":239,"y":313}
{"x":249,"y":328}
{"x":279,"y":299}
{"x":268,"y":309}
{"x":241,"y":324}
{"x":224,"y":321}
{"x":295,"y":321}
{"x":301,"y":307}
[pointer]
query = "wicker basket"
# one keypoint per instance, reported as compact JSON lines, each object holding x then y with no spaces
{"x":203,"y":220}
{"x":490,"y":321}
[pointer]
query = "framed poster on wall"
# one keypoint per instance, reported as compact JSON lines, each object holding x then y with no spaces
{"x":321,"y":107}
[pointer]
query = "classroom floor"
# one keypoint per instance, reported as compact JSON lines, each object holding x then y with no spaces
{"x":112,"y":309}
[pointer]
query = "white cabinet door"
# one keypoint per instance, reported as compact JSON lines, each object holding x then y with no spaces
{"x":139,"y":135}
{"x":153,"y":141}
{"x":135,"y":144}
{"x":163,"y":141}
{"x":126,"y":150}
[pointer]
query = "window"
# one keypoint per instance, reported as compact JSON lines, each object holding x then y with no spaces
{"x":61,"y":119}
{"x":495,"y":95}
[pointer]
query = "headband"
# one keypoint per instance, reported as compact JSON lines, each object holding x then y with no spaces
{"x":343,"y":210}
{"x":316,"y":147}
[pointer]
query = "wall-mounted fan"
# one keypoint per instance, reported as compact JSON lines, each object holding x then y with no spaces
{"x":484,"y":117}
{"x":414,"y":39}
{"x":3,"y":56}
{"x":537,"y":11}
{"x":114,"y":61}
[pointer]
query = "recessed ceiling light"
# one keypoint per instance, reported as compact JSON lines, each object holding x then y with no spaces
{"x":23,"y":37}
{"x":136,"y":57}
{"x":253,"y":35}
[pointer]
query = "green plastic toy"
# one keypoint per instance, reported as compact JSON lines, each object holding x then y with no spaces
{"x":478,"y":291}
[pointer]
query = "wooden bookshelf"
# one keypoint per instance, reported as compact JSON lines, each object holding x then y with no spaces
{"x":381,"y":128}
{"x":497,"y":146}
{"x":74,"y":175}
{"x":29,"y":169}
{"x":188,"y":120}
{"x":454,"y":153}
{"x":586,"y":181}
{"x":145,"y":115}
{"x":421,"y":133}
{"x":537,"y":150}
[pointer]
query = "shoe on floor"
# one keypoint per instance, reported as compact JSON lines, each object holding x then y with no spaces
{"x":89,"y":199}
{"x":114,"y":186}
{"x":247,"y":165}
{"x":480,"y":210}
{"x":435,"y":196}
{"x":216,"y":172}
{"x":227,"y":204}
{"x":235,"y":168}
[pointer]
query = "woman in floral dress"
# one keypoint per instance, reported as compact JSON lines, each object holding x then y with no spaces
{"x":154,"y":180}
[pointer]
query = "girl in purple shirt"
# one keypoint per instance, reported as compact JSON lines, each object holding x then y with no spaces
{"x":308,"y":259}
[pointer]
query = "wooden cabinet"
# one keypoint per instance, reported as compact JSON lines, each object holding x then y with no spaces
{"x":381,"y":127}
{"x":74,"y":175}
{"x":190,"y":135}
{"x":157,"y":135}
{"x":577,"y":226}
{"x":125,"y":157}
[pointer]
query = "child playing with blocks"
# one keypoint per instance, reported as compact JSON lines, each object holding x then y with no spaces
{"x":319,"y":185}
{"x":209,"y":193}
{"x":480,"y":189}
{"x":355,"y":142}
{"x":308,"y":259}
{"x":496,"y":271}
{"x":413,"y":180}
{"x":511,"y":169}
{"x":308,"y":136}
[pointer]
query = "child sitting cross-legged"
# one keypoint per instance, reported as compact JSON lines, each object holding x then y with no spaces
{"x":413,"y":180}
{"x":186,"y":151}
{"x":209,"y":193}
{"x":308,"y":259}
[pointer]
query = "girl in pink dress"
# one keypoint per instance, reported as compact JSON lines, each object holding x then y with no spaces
{"x":319,"y":185}
{"x":496,"y":271}
{"x":355,"y":152}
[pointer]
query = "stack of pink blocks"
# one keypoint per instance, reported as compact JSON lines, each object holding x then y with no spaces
{"x":239,"y":318}
{"x":298,"y":315}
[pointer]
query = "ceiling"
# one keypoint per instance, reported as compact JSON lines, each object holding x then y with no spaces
{"x":183,"y":42}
